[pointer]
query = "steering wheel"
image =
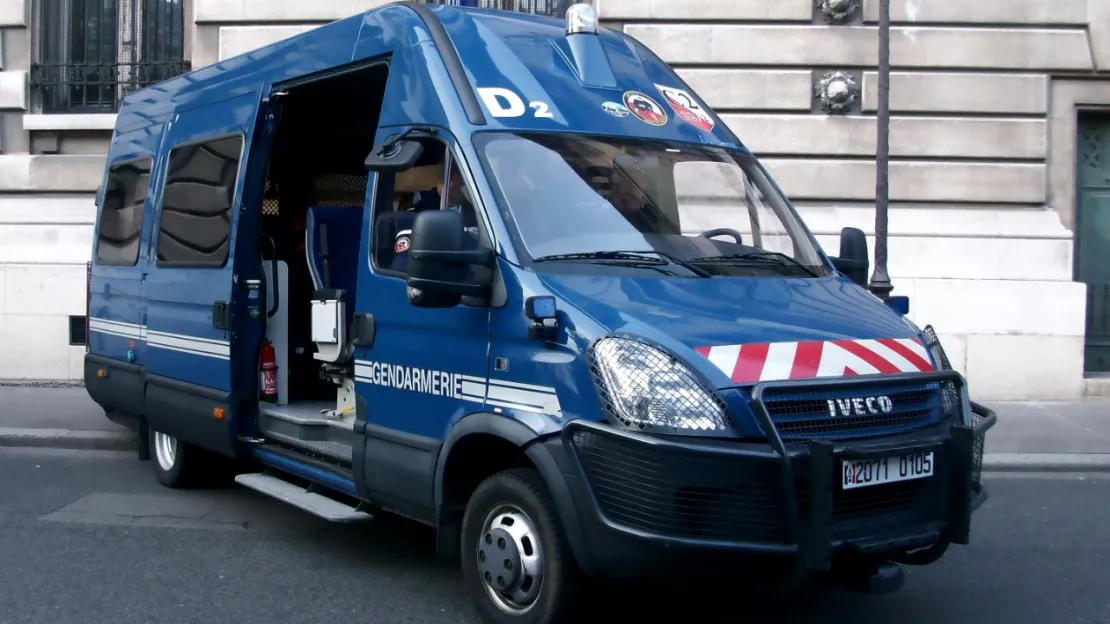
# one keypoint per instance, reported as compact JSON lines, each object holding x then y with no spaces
{"x":720,"y":231}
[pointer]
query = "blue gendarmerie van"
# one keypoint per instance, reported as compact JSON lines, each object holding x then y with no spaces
{"x":509,"y":276}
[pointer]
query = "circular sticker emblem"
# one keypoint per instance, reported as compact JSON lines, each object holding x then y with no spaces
{"x":402,"y":245}
{"x":645,"y":109}
{"x":615,"y":109}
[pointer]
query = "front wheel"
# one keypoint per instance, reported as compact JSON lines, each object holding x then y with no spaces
{"x":516,"y":562}
{"x":176,"y":464}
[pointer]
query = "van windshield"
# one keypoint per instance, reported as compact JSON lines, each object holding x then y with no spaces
{"x":574,"y":198}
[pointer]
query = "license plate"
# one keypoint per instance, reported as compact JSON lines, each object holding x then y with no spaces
{"x":867,"y":472}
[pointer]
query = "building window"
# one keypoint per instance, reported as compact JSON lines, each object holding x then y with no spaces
{"x":91,"y":53}
{"x":121,"y":214}
{"x":194,"y":229}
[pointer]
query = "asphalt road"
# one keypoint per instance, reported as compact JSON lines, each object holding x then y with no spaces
{"x":89,"y":537}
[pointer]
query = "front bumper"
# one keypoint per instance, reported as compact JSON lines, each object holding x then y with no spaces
{"x":647,"y":502}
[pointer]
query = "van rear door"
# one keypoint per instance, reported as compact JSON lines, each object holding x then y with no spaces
{"x":113,"y":369}
{"x":191,"y":280}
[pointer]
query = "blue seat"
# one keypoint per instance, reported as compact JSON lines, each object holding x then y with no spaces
{"x":333,"y":235}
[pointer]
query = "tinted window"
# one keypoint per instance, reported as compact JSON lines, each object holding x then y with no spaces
{"x":121,"y":215}
{"x":195,"y":226}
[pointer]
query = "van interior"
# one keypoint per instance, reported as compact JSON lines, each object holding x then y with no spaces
{"x":311,"y":223}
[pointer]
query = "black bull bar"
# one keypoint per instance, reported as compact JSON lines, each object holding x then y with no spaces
{"x":810,"y":537}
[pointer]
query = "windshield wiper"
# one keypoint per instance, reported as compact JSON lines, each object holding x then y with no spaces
{"x":755,"y":258}
{"x":636,"y":256}
{"x":633,"y":258}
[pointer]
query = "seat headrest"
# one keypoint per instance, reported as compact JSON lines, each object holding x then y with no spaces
{"x":418,"y":179}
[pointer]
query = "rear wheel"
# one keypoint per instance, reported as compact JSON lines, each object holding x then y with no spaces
{"x":516,"y":562}
{"x":176,"y":464}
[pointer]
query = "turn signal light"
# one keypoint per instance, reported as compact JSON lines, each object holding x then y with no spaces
{"x":218,"y":413}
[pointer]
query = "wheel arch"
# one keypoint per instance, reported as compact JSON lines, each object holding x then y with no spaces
{"x":482,"y":444}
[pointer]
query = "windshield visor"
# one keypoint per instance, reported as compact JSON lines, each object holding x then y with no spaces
{"x":580,"y":199}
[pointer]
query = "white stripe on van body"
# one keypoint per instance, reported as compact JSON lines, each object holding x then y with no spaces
{"x":496,"y":392}
{"x":180,"y":343}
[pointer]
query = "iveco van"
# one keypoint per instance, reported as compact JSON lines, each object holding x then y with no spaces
{"x":509,"y":276}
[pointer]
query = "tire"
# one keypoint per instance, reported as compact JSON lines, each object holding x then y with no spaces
{"x":176,"y":464}
{"x":507,"y":514}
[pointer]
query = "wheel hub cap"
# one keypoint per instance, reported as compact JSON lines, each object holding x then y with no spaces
{"x":510,"y":560}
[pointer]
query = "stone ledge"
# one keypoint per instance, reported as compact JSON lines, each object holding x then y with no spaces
{"x":985,"y":258}
{"x":41,"y":209}
{"x":13,"y":13}
{"x":1007,"y":368}
{"x":818,"y":45}
{"x":960,"y":93}
{"x":910,"y":137}
{"x":821,"y":179}
{"x":1098,"y":12}
{"x":751,"y":89}
{"x":984,"y":12}
{"x":61,"y":173}
{"x":72,"y":121}
{"x":261,"y":11}
{"x":1002,"y":307}
{"x":934,"y":220}
{"x":237,"y":40}
{"x":778,"y":10}
{"x":13,"y":90}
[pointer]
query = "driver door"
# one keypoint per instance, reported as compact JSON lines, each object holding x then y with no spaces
{"x":427,"y":367}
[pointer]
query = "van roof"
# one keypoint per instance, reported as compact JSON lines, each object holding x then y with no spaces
{"x":611,"y":84}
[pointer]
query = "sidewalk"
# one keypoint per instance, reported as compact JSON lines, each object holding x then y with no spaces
{"x":1028,"y":436}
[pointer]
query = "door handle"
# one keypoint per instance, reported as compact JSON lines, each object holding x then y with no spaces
{"x":221,"y":315}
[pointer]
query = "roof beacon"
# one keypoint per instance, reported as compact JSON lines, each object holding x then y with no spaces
{"x":581,"y":18}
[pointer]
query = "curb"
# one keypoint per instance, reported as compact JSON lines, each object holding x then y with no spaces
{"x":1046,"y":462}
{"x":69,"y":439}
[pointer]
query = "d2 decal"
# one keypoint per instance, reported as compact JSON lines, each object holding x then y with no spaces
{"x":505,"y":103}
{"x":686,"y":108}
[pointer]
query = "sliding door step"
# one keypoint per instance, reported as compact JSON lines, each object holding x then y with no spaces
{"x":295,"y":495}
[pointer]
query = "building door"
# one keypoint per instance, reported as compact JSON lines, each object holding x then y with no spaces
{"x":1092,"y":253}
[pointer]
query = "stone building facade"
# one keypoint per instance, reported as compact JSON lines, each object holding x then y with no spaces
{"x":999,"y":174}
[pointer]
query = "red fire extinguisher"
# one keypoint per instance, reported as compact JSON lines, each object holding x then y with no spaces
{"x":268,"y":385}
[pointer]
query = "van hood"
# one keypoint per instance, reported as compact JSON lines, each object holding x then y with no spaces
{"x":793,"y":328}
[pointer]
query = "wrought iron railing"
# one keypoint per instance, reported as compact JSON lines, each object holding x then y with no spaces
{"x":552,"y":8}
{"x":96,"y":87}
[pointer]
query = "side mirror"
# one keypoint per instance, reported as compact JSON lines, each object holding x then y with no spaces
{"x":393,"y":156}
{"x":853,"y":261}
{"x":439,"y":262}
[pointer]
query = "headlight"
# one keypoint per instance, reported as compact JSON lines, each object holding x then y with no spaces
{"x":642,"y":387}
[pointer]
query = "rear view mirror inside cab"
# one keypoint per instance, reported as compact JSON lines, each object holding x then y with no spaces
{"x":393,"y":156}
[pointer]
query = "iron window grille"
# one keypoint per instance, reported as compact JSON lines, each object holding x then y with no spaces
{"x":91,"y":53}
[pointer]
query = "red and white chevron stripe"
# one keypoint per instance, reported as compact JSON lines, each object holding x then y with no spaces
{"x":751,"y":363}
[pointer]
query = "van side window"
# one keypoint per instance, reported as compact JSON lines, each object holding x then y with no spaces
{"x":121,"y":213}
{"x":194,"y":229}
